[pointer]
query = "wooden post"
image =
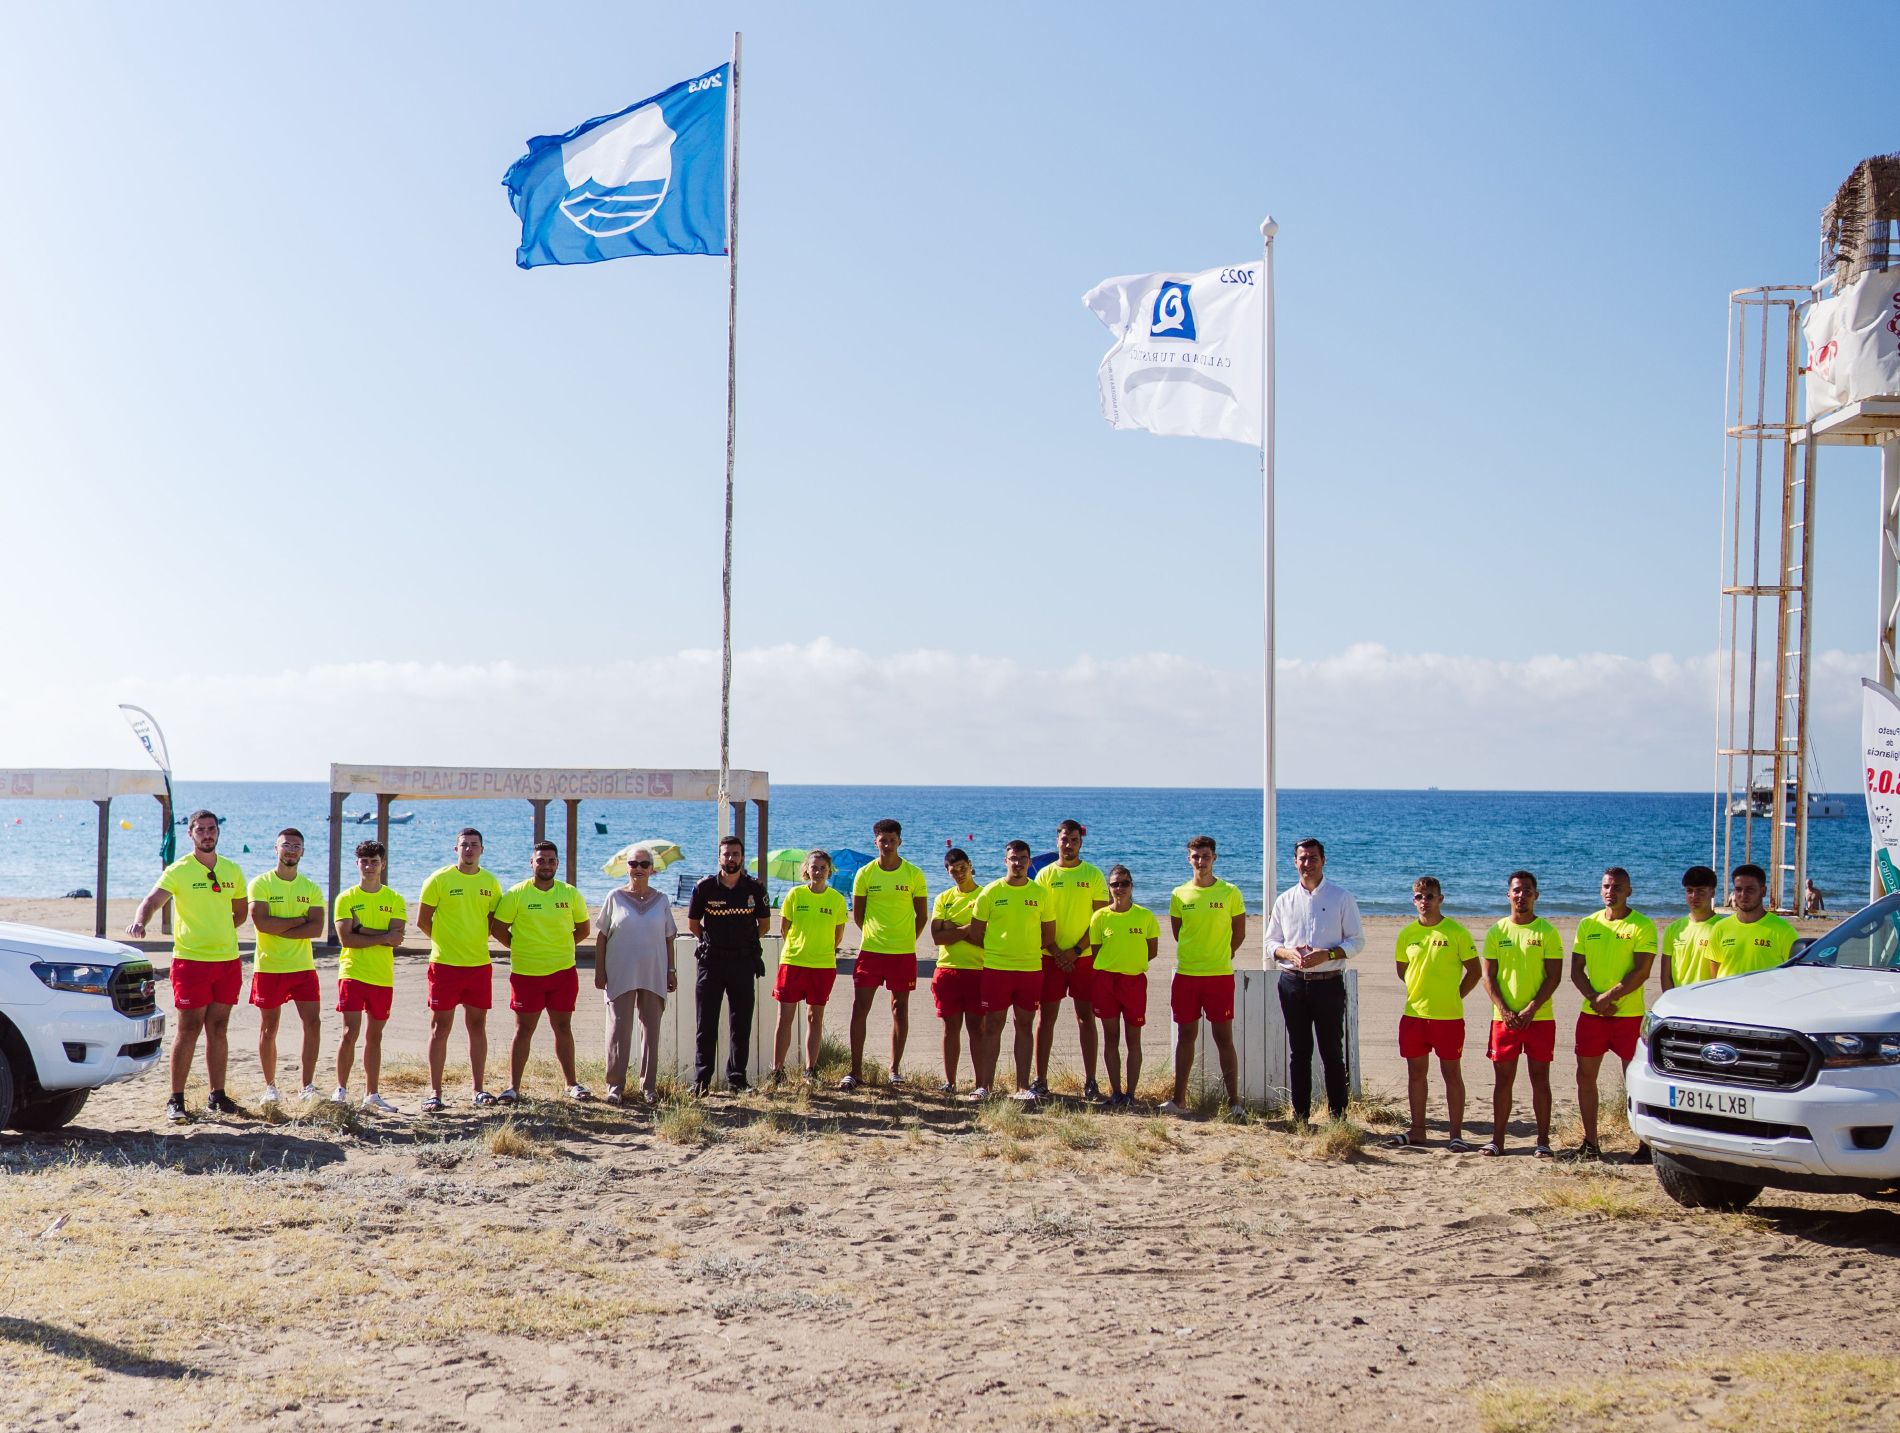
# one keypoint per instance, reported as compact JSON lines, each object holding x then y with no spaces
{"x":573,"y":837}
{"x":384,"y":800}
{"x":761,"y":825}
{"x":336,"y":860}
{"x":99,"y":888}
{"x":540,"y":818}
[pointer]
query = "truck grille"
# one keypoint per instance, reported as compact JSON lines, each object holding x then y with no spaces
{"x":1768,"y":1059}
{"x":133,"y":992}
{"x":1725,"y":1124}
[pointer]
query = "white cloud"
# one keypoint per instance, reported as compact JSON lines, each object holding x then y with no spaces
{"x":821,"y":712}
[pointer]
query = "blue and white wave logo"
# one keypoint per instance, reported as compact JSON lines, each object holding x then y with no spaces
{"x":618,"y":173}
{"x":1173,"y":315}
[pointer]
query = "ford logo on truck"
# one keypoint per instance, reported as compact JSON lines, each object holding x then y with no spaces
{"x":1718,"y":1052}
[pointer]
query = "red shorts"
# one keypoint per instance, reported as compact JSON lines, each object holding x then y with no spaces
{"x":1004,"y":988}
{"x":453,"y":985}
{"x":1193,"y":996}
{"x":531,"y":994}
{"x":1117,"y":995}
{"x":271,"y":989}
{"x":1076,"y":984}
{"x":1537,"y":1039}
{"x":1419,"y":1037}
{"x":956,"y":992}
{"x":361,"y":995}
{"x":1600,"y":1034}
{"x":198,"y":983}
{"x":896,"y":973}
{"x":803,"y":984}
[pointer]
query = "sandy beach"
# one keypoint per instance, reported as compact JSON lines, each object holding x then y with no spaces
{"x":814,"y":1260}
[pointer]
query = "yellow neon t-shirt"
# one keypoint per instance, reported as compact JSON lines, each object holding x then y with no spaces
{"x":541,"y":926}
{"x":1686,"y":946}
{"x":816,"y":917}
{"x":1012,"y":919}
{"x":959,"y":908}
{"x":1078,"y":889}
{"x":462,"y":905}
{"x":890,"y":907}
{"x":288,"y":900}
{"x":1736,"y":948}
{"x":1434,"y":958}
{"x":1520,"y":951}
{"x":1120,"y":939}
{"x":1206,"y":943}
{"x":371,"y":964}
{"x":1609,"y":948}
{"x":201,"y":902}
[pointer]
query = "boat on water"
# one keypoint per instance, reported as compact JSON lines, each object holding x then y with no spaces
{"x":1759,"y":803}
{"x":368,"y":818}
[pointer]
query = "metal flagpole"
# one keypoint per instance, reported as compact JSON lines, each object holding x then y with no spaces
{"x":1269,"y":801}
{"x":732,"y":390}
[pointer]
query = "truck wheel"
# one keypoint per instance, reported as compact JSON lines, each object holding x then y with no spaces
{"x":48,"y":1112}
{"x":1699,"y":1191}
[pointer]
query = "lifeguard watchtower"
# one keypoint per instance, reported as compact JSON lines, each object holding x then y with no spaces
{"x":1809,"y":366}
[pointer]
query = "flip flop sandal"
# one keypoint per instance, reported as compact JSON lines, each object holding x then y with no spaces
{"x":1457,"y":1146}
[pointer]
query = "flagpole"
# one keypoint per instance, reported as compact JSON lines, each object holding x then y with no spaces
{"x":1269,"y":794}
{"x":732,"y":393}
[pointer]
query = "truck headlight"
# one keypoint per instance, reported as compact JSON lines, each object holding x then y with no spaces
{"x":80,"y":979}
{"x":1841,"y":1051}
{"x":1649,"y":1023}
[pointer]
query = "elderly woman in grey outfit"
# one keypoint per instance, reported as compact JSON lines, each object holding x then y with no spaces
{"x":633,"y":970}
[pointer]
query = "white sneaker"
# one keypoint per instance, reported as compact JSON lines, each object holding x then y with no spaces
{"x":1024,"y":1097}
{"x":1169,"y":1107}
{"x":271,"y":1097}
{"x":979,"y":1094}
{"x":340,"y":1096}
{"x":377,"y":1103}
{"x":309,"y":1093}
{"x":579,"y":1092}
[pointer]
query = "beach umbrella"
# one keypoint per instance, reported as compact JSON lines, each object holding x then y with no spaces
{"x":1036,"y":863}
{"x":846,"y":863}
{"x":665,"y":853}
{"x":787,"y":863}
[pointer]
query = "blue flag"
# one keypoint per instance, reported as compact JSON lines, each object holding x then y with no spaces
{"x":648,"y":180}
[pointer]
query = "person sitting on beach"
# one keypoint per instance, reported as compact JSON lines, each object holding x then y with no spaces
{"x":453,"y":913}
{"x":206,"y":972}
{"x":371,"y":919}
{"x":1753,"y":938}
{"x":1615,"y":948}
{"x":1015,"y":923}
{"x":1523,"y":966}
{"x":634,"y":972}
{"x":1209,"y":920}
{"x":811,"y":922}
{"x":287,"y":911}
{"x":1814,"y":904}
{"x":1438,"y":961}
{"x":890,"y":902}
{"x":957,"y":987}
{"x":1080,"y":892}
{"x":1123,"y":938}
{"x":1685,"y":944}
{"x":540,"y":921}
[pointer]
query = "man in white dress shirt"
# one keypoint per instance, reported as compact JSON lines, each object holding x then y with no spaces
{"x":1312,"y":933}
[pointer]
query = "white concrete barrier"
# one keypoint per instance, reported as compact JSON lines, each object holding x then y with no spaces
{"x":1260,"y":1040}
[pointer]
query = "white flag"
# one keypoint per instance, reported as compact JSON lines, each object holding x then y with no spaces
{"x":1187,"y":356}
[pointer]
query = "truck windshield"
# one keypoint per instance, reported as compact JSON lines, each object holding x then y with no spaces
{"x":1867,"y":940}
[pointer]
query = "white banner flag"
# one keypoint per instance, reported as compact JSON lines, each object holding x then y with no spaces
{"x":1880,"y":754}
{"x":1853,"y":341}
{"x":1188,"y":352}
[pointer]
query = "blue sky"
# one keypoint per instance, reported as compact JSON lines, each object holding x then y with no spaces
{"x":296,"y":454}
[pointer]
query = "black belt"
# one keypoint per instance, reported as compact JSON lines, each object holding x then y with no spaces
{"x":1311,"y":974}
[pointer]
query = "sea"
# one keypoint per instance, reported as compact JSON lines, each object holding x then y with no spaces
{"x":1377,"y":842}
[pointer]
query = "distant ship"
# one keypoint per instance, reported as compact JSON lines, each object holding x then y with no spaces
{"x":1760,"y":802}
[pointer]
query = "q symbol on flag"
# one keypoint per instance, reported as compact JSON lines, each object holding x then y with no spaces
{"x":1173,"y":316}
{"x":618,"y":173}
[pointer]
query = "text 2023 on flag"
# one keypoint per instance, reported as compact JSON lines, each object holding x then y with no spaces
{"x":1188,"y":352}
{"x":648,"y":180}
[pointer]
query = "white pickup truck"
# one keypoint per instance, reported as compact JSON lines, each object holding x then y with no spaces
{"x":75,"y":1013}
{"x":1787,"y":1078}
